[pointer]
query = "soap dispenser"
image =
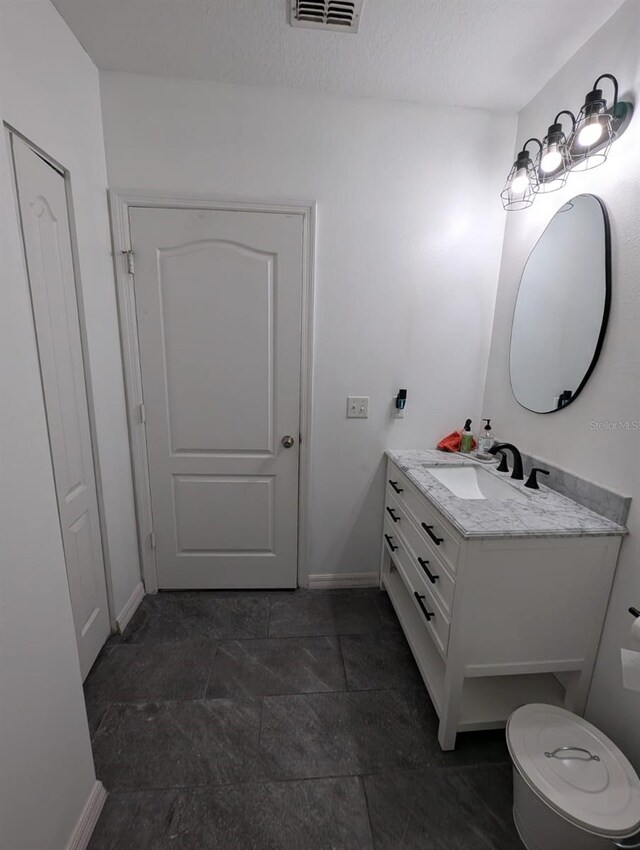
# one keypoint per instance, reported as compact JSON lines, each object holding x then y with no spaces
{"x":486,"y":440}
{"x":466,"y":440}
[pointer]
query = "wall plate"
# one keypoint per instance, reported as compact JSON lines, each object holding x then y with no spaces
{"x":395,"y":413}
{"x":357,"y":407}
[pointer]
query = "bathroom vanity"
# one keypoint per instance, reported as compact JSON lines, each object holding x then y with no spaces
{"x":501,"y":591}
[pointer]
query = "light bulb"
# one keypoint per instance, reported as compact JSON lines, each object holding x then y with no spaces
{"x":590,"y":132}
{"x":520,"y":182}
{"x":551,"y":160}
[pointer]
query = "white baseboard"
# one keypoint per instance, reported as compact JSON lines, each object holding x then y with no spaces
{"x":89,"y":818}
{"x":344,"y":580}
{"x":130,"y":607}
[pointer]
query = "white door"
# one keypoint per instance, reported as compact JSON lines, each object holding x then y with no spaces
{"x":218,"y":301}
{"x":47,"y":242}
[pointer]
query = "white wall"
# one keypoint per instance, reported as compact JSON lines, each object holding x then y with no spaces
{"x":568,"y":438}
{"x":409,"y":235}
{"x":50,"y":94}
{"x":46,"y":769}
{"x":49,"y":91}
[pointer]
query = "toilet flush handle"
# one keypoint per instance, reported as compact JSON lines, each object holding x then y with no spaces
{"x":554,"y":754}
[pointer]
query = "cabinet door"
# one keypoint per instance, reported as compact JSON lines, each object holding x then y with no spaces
{"x":533,"y":602}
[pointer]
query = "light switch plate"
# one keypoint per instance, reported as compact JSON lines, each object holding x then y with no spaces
{"x":357,"y":406}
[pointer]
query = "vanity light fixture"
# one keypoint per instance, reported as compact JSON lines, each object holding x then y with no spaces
{"x":586,"y":146}
{"x":522,"y":181}
{"x":554,"y":158}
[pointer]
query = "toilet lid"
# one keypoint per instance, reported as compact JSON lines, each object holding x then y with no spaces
{"x":590,"y":783}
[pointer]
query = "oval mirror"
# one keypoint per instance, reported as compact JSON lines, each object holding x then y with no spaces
{"x":562,"y":307}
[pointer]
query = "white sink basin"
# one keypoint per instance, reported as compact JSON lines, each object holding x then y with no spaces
{"x":473,"y":482}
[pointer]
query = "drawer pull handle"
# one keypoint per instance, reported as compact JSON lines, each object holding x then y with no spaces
{"x":394,"y":484}
{"x":389,"y":540}
{"x":429,"y":530}
{"x":427,"y":614}
{"x":425,"y":566}
{"x":391,"y":513}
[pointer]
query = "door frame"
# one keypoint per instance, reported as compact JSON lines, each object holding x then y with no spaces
{"x":120,"y":202}
{"x":10,"y":132}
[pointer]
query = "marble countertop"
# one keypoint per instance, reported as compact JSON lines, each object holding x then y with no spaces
{"x":544,"y":513}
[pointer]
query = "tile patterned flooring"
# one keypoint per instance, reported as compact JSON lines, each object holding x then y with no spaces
{"x":282,"y":720}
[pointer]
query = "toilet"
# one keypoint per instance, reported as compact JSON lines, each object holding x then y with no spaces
{"x":572,"y":787}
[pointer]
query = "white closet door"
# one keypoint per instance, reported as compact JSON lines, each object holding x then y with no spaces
{"x":47,"y":240}
{"x":218,"y":301}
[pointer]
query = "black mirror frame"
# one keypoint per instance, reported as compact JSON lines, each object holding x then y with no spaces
{"x":605,"y":312}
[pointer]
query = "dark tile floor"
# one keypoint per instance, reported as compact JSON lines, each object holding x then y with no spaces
{"x":282,"y":721}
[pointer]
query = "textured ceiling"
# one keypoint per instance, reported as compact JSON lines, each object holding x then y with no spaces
{"x":495,"y":54}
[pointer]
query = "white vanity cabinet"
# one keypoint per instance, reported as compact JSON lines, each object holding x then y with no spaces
{"x":493,"y":622}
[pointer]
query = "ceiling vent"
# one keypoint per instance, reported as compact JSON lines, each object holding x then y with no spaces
{"x":336,"y":15}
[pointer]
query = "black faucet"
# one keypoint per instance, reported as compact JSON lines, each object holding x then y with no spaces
{"x":517,"y":458}
{"x":502,"y":466}
{"x":532,"y":480}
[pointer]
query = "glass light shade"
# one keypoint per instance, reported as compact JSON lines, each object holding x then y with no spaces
{"x":520,"y":187}
{"x":552,"y":161}
{"x":592,"y":137}
{"x":552,"y":183}
{"x":591,"y":132}
{"x":520,"y":182}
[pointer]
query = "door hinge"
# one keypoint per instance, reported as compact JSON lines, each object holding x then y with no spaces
{"x":130,"y":262}
{"x":152,"y":540}
{"x":143,"y":413}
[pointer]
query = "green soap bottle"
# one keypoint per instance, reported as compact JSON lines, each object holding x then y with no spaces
{"x":466,"y":442}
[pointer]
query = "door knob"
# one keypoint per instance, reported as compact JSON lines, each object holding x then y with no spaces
{"x":288,"y":441}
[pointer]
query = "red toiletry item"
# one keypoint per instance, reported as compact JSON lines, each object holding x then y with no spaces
{"x":451,"y":443}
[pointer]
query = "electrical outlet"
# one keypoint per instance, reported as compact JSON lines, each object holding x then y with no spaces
{"x":395,"y":412}
{"x":357,"y":406}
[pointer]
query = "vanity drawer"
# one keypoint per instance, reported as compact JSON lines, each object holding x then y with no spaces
{"x":431,"y":613}
{"x":390,"y":537}
{"x":441,"y":584}
{"x":395,"y":511}
{"x":438,"y":622}
{"x":433,"y":527}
